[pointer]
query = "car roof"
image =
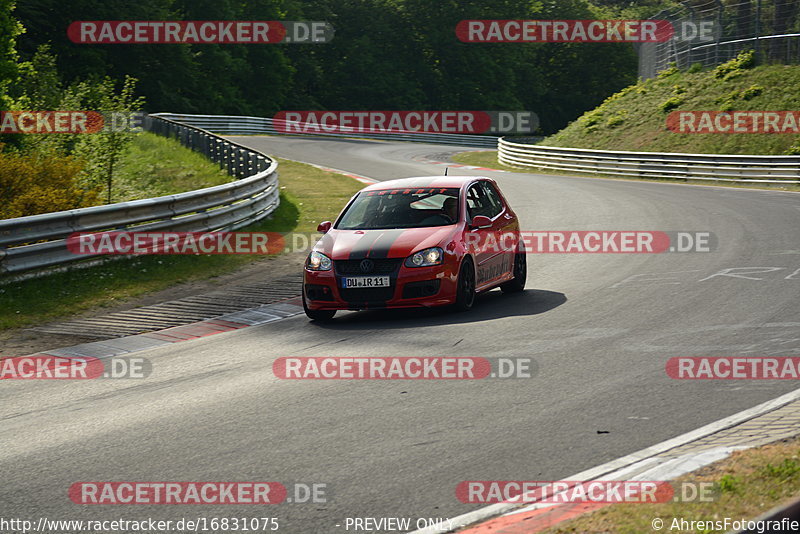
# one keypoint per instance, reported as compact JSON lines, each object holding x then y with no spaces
{"x":424,"y":181}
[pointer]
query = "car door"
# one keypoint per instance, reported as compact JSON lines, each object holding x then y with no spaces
{"x":503,"y":224}
{"x":486,"y":250}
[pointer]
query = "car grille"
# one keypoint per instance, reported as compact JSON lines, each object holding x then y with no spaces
{"x":379,"y":266}
{"x":371,"y":295}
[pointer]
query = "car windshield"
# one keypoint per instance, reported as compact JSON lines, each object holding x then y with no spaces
{"x":401,"y":208}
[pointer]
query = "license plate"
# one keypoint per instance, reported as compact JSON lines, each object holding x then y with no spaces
{"x":365,"y":281}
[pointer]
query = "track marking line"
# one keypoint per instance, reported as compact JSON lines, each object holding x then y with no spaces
{"x":359,"y":177}
{"x":501,"y":511}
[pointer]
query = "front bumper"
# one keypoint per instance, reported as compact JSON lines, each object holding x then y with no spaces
{"x":411,"y":287}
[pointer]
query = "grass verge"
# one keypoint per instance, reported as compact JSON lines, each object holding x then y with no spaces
{"x":635,"y":118}
{"x":308,"y":196}
{"x":155,"y":166}
{"x":746,"y":485}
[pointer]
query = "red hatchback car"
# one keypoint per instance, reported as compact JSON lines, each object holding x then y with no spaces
{"x":412,"y":242}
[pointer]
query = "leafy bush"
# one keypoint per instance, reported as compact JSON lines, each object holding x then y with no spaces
{"x":794,"y":150}
{"x":752,"y":91}
{"x":40,"y":87}
{"x":591,"y":118}
{"x":785,"y":470}
{"x":619,"y":94}
{"x":30,"y":185}
{"x":669,"y":71}
{"x":729,"y":483}
{"x":729,"y":69}
{"x":671,"y":104}
{"x":730,"y":97}
{"x":617,"y":119}
{"x":728,"y":102}
{"x":696,"y":67}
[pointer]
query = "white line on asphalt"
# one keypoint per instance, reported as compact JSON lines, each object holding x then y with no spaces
{"x":488,"y":512}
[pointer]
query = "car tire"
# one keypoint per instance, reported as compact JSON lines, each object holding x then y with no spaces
{"x":465,"y":286}
{"x":520,"y":275}
{"x":317,"y":315}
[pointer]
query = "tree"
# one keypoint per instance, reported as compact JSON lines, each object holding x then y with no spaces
{"x":102,"y":150}
{"x":39,"y":85}
{"x":10,"y":28}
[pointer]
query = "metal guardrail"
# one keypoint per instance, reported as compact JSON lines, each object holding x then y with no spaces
{"x":716,"y":167}
{"x":39,"y":241}
{"x":777,"y":518}
{"x":244,"y":125}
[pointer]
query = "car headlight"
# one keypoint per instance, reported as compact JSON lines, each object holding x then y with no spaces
{"x":426,"y":258}
{"x":317,"y":261}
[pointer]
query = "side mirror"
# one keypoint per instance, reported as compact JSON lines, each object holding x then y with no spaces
{"x":323,"y":227}
{"x":480,"y":221}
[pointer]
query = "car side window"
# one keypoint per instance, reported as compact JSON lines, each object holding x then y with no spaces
{"x":477,"y":203}
{"x":494,"y":200}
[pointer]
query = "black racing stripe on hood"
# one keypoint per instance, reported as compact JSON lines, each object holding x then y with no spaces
{"x":376,"y":246}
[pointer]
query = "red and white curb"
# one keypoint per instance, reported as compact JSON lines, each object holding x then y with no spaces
{"x":360,"y":178}
{"x":225,"y":323}
{"x":516,"y":518}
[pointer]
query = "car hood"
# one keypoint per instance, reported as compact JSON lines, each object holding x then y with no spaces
{"x":394,"y":243}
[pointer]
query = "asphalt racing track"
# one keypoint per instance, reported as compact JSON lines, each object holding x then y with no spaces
{"x":599,"y":326}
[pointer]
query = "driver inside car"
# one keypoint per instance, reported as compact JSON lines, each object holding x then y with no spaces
{"x":448,"y":214}
{"x":450,"y":208}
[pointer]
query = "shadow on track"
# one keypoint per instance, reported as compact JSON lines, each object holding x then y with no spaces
{"x":491,"y":305}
